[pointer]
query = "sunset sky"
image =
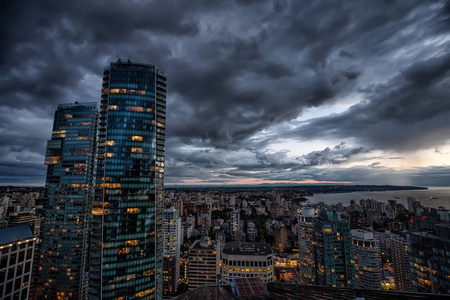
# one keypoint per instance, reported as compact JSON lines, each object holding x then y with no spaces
{"x":258,"y":91}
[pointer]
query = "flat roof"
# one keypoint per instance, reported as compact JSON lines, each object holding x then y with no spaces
{"x":14,"y":234}
{"x":249,"y":248}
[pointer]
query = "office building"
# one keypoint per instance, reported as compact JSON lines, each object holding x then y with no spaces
{"x":400,"y":263}
{"x":234,"y":222}
{"x":172,"y":243}
{"x":252,"y":260}
{"x":65,"y":224}
{"x":203,"y":265}
{"x":16,"y":262}
{"x":429,"y":258}
{"x":126,"y":240}
{"x":333,"y":252}
{"x":367,"y":254}
{"x":305,"y":245}
{"x":280,"y":236}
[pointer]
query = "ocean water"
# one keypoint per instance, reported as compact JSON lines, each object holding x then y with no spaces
{"x":441,"y":193}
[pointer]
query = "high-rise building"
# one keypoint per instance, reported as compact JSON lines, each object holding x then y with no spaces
{"x":367,"y":254}
{"x":16,"y":262}
{"x":203,"y":265}
{"x":234,"y":222}
{"x":172,"y":243}
{"x":126,"y":258}
{"x":65,"y":225}
{"x":400,"y":262}
{"x":280,"y":236}
{"x":429,"y":258}
{"x":334,"y":264}
{"x":305,"y":245}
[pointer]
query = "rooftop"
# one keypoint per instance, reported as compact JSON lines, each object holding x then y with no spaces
{"x":14,"y":234}
{"x":255,"y":248}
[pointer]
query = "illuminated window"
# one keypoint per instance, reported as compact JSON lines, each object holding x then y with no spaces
{"x":141,"y":92}
{"x":82,"y":138}
{"x":132,"y":210}
{"x":137,"y":138}
{"x":114,"y":91}
{"x":59,"y":134}
{"x":131,"y":243}
{"x":52,"y":160}
{"x":109,"y":154}
{"x":105,"y":91}
{"x":68,"y":116}
{"x":110,"y":143}
{"x":136,"y":150}
{"x":149,"y":109}
{"x":112,"y":107}
{"x":135,"y":108}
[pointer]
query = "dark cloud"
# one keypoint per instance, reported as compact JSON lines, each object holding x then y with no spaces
{"x":237,"y":70}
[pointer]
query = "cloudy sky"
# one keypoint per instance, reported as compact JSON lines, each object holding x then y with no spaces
{"x":258,"y":91}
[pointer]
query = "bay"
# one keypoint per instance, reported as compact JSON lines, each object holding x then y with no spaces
{"x":441,"y":193}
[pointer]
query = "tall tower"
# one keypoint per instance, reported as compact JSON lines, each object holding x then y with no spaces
{"x":126,"y":239}
{"x":172,"y":244}
{"x":65,"y":226}
{"x":305,"y":245}
{"x":334,"y":264}
{"x":367,"y":254}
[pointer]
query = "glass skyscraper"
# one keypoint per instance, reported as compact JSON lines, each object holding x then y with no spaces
{"x":126,"y":259}
{"x":65,"y":226}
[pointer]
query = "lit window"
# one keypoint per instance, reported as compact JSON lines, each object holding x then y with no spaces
{"x":136,"y":150}
{"x":141,"y":92}
{"x":110,"y":143}
{"x":109,"y":154}
{"x":82,"y":138}
{"x":114,"y":91}
{"x":112,"y":107}
{"x":149,"y":109}
{"x":137,"y":138}
{"x":135,"y":108}
{"x":132,"y":210}
{"x":68,"y":116}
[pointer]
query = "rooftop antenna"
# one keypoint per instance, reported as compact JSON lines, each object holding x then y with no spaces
{"x":129,"y":59}
{"x":119,"y":60}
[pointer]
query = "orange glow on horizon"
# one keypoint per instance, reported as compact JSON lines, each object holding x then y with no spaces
{"x":255,"y":181}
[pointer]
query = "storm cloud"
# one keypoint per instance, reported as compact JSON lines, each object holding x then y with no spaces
{"x":249,"y":83}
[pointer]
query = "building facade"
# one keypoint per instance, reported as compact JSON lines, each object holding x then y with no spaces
{"x":333,"y":252}
{"x":251,"y":260}
{"x":429,"y":258}
{"x":16,"y":262}
{"x":367,"y":254}
{"x":126,"y":241}
{"x":65,"y":225}
{"x":203,"y":265}
{"x":172,"y":243}
{"x":305,"y":245}
{"x":400,"y":262}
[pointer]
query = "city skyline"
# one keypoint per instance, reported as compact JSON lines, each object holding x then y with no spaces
{"x":273,"y":92}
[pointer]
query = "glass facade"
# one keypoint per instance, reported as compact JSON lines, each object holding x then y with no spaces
{"x":333,"y":251}
{"x":126,"y":238}
{"x":65,"y":225}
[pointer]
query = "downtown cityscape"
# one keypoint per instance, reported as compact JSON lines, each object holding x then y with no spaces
{"x":172,"y":150}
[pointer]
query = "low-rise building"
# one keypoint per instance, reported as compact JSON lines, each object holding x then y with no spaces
{"x":252,"y":260}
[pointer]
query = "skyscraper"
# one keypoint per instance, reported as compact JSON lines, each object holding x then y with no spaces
{"x":126,"y":242}
{"x":65,"y":226}
{"x":367,"y":254}
{"x":172,"y":244}
{"x":305,"y":245}
{"x":333,"y":251}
